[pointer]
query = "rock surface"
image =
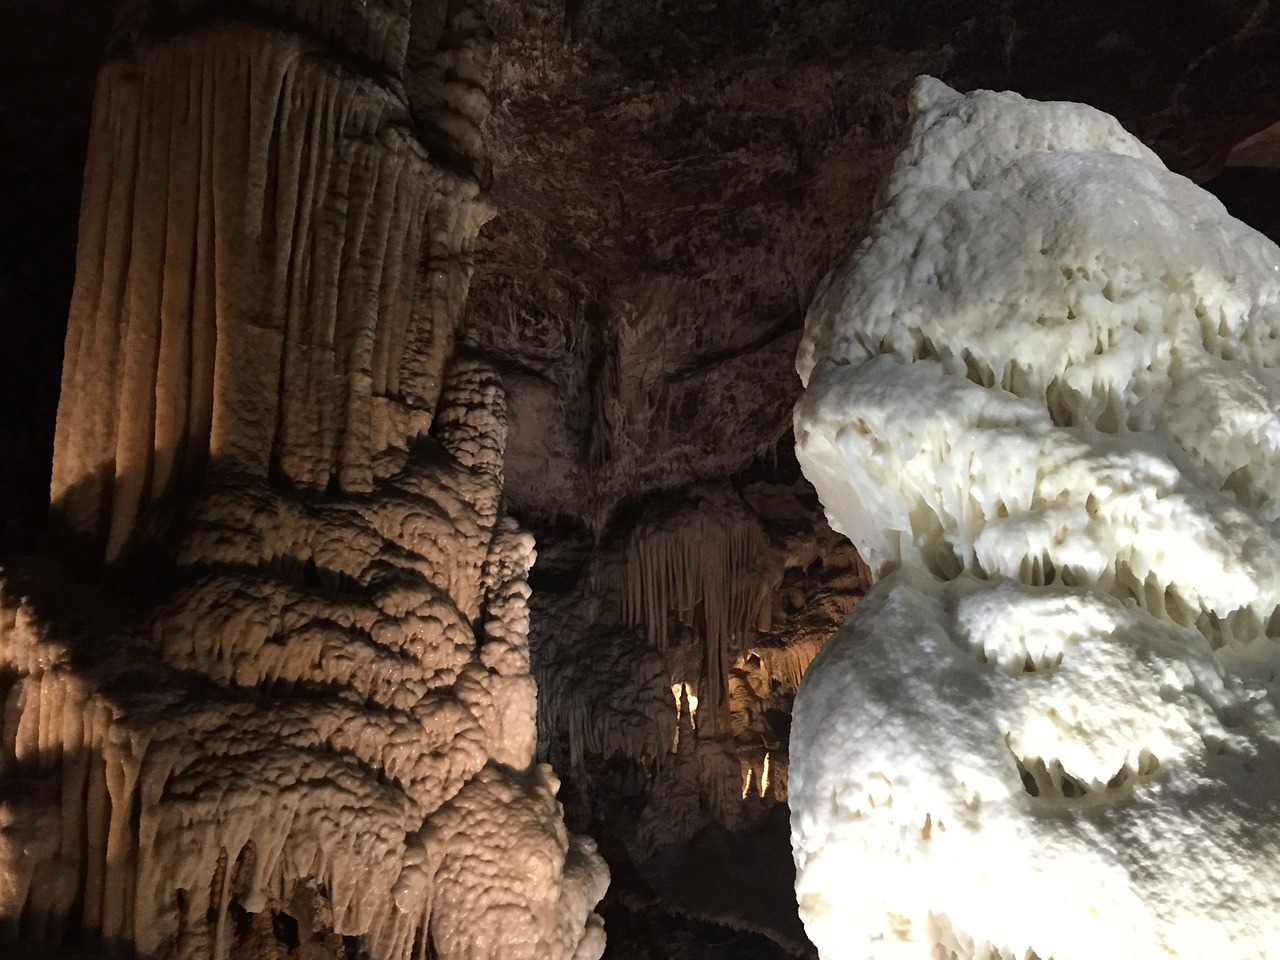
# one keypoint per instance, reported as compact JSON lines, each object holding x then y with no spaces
{"x":1041,"y":401}
{"x":319,"y":709}
{"x":671,"y":182}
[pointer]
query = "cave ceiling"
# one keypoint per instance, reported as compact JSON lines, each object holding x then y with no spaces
{"x":672,"y":181}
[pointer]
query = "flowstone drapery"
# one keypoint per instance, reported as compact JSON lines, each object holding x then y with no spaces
{"x":303,"y":711}
{"x":1042,"y":401}
{"x":248,"y":294}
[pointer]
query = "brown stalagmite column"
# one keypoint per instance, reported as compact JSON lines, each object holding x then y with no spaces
{"x":321,"y":706}
{"x":244,"y":214}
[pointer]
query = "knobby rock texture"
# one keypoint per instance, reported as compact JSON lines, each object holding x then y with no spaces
{"x":307,"y":716}
{"x":1041,"y":400}
{"x":668,"y":183}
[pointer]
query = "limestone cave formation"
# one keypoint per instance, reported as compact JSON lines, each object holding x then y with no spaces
{"x":404,"y":550}
{"x":1050,"y":436}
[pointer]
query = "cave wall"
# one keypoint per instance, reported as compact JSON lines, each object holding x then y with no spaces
{"x":673,"y":181}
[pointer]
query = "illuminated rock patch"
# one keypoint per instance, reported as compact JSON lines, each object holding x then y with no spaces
{"x":1042,"y":402}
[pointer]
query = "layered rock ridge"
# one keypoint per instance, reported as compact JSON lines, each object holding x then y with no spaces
{"x":315,"y":723}
{"x":1041,"y":400}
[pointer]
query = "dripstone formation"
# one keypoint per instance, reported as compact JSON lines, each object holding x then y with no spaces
{"x":1041,"y":400}
{"x":307,"y":715}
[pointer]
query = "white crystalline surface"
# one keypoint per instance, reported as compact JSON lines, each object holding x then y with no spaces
{"x":1042,"y":402}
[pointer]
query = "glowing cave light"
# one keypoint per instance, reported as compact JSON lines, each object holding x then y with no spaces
{"x":676,"y":689}
{"x":761,"y":779}
{"x":680,"y":690}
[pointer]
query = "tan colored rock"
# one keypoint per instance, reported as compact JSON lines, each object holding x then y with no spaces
{"x":328,"y":715}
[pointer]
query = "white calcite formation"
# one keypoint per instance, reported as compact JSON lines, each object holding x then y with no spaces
{"x":317,"y":695}
{"x":1042,"y":401}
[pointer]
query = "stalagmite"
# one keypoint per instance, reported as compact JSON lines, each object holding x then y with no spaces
{"x":1041,"y":400}
{"x":253,"y":219}
{"x":338,"y":724}
{"x":318,"y":699}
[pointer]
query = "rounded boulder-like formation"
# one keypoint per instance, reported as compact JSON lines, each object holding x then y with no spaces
{"x":1041,"y":400}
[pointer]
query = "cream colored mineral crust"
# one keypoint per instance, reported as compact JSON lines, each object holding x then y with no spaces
{"x":312,"y":708}
{"x":1042,"y":402}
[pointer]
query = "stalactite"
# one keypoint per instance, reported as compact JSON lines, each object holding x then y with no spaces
{"x":710,"y":566}
{"x":608,"y":690}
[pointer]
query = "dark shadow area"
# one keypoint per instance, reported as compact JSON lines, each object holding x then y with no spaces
{"x":1250,"y":194}
{"x":743,"y":880}
{"x":722,"y":894}
{"x":645,"y":934}
{"x":49,"y":54}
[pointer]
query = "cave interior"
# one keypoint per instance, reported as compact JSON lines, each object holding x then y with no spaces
{"x":642,"y":199}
